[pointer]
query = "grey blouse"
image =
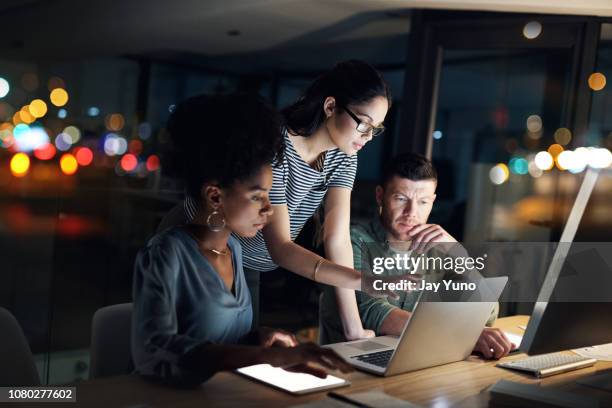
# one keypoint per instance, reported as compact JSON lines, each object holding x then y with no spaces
{"x":180,"y":302}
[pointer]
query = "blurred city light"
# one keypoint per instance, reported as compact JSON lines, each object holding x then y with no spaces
{"x":144,"y":131}
{"x":62,"y":113}
{"x":599,"y":158}
{"x":4,"y":87}
{"x":63,"y":142}
{"x":518,"y":165}
{"x":563,"y":136}
{"x":499,"y":173}
{"x":28,"y":138}
{"x":534,"y":123}
{"x":68,"y":164}
{"x":20,"y":164}
{"x":544,"y":161}
{"x":84,"y":156}
{"x":597,"y":81}
{"x":38,"y":108}
{"x":59,"y":97}
{"x":74,"y":133}
{"x":135,"y":146}
{"x":29,"y":81}
{"x":555,"y":149}
{"x":45,"y":152}
{"x":129,"y":162}
{"x":152,"y":162}
{"x":437,"y":135}
{"x":114,"y":122}
{"x":93,"y":111}
{"x":532,"y":30}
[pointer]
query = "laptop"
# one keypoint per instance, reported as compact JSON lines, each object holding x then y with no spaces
{"x":438,"y":332}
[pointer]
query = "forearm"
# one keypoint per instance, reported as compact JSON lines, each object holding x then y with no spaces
{"x":298,"y":259}
{"x":394,"y":323}
{"x":341,"y":253}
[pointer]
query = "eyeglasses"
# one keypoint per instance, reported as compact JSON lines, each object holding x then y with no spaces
{"x":364,"y":127}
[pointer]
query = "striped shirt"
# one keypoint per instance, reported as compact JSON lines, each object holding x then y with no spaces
{"x":299,"y":186}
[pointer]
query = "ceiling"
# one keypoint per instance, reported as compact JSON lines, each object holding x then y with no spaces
{"x":38,"y":30}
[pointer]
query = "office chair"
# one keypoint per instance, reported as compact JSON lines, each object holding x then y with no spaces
{"x":17,"y":366}
{"x":111,"y":352}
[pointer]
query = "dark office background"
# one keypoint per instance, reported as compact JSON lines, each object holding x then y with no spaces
{"x":92,"y":191}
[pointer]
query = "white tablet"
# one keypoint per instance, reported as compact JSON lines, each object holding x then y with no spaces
{"x":293,"y":383}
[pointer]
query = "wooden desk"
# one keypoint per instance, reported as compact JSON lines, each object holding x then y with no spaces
{"x":461,"y":384}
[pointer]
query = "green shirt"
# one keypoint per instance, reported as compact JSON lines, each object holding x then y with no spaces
{"x":369,"y":240}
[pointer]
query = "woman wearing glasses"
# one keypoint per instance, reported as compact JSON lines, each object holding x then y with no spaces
{"x":337,"y":115}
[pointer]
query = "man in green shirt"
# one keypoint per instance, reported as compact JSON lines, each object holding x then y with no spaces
{"x":405,"y":198}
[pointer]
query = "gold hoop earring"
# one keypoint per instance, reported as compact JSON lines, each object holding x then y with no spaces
{"x":215,"y":226}
{"x":380,"y":210}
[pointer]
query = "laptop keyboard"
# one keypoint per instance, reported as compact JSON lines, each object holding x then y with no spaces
{"x":380,"y":358}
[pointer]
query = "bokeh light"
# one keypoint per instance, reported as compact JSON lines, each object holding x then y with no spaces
{"x":518,"y":165}
{"x":563,"y":136}
{"x":115,"y":145}
{"x":74,"y":133}
{"x":153,"y":162}
{"x":4,"y":87}
{"x":555,"y":150}
{"x":84,"y":156}
{"x":20,"y":164}
{"x":28,"y":138}
{"x":135,"y":146}
{"x":532,"y":30}
{"x":499,"y":173}
{"x":144,"y":131}
{"x":544,"y":161}
{"x":68,"y":164}
{"x":534,"y":170}
{"x":597,"y":81}
{"x":62,"y":113}
{"x":581,"y":159}
{"x":600,"y":158}
{"x":63,"y":142}
{"x":129,"y":162}
{"x":59,"y":97}
{"x":38,"y":108}
{"x":93,"y":111}
{"x":114,"y":122}
{"x":25,"y":115}
{"x":45,"y":152}
{"x":437,"y":134}
{"x":534,"y":123}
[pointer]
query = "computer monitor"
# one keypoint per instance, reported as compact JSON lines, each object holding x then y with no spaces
{"x":559,"y":321}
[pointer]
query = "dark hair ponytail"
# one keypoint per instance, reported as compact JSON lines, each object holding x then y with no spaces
{"x":350,"y":83}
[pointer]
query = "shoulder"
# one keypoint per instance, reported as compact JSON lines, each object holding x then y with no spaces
{"x":166,"y":244}
{"x":360,"y":232}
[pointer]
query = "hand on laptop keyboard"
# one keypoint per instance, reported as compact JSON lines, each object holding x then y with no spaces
{"x":493,"y":343}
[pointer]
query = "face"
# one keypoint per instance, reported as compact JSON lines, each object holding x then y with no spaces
{"x":245,"y":205}
{"x":342,"y":127}
{"x":405,"y":203}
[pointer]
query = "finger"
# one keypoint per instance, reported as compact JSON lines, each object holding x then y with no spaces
{"x":497,"y":347}
{"x":417,"y":228}
{"x":418,"y":238}
{"x":285,"y":339}
{"x":485,"y":350}
{"x":307,"y":369}
{"x":431,"y":241}
{"x":426,"y":239}
{"x":501,"y":339}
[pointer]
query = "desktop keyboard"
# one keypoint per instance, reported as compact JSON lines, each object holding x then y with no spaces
{"x":380,"y":358}
{"x":549,"y":364}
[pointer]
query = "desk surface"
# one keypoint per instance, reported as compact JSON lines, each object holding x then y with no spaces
{"x":458,"y":384}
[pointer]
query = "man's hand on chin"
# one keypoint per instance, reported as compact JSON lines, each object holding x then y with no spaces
{"x":493,"y":343}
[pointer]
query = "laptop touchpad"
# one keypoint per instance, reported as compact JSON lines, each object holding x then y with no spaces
{"x":366,"y":345}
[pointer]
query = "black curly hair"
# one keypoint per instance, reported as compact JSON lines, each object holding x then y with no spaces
{"x":222,"y":138}
{"x":351,"y":82}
